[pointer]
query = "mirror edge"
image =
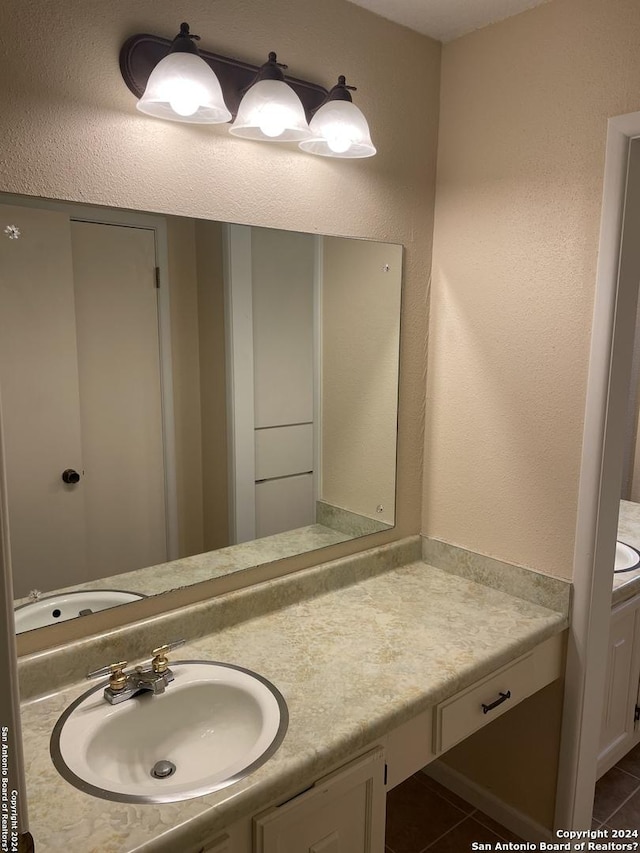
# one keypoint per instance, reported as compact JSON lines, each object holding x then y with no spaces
{"x":37,"y":640}
{"x":10,"y":722}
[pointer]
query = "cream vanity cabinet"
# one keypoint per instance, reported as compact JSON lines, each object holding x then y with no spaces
{"x":345,"y":810}
{"x":620,"y":730}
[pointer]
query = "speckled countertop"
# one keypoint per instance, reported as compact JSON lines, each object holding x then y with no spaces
{"x":353,"y":664}
{"x":627,"y":584}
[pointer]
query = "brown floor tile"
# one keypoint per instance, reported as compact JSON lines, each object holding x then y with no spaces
{"x":445,"y":793}
{"x":595,"y":824}
{"x":631,"y":762}
{"x":460,"y":839}
{"x":416,"y":816}
{"x":502,"y":831}
{"x":611,"y":791}
{"x":628,"y":817}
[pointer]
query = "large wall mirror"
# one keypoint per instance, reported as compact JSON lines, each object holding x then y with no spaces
{"x":627,"y":564}
{"x":183,"y":398}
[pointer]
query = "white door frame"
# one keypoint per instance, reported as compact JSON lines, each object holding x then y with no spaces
{"x":616,"y":297}
{"x":318,"y":279}
{"x":238,"y":300}
{"x":156,"y":223}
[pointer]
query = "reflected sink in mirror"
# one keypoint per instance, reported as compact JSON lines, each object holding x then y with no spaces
{"x":627,"y":558}
{"x":63,"y":606}
{"x":215,"y":724}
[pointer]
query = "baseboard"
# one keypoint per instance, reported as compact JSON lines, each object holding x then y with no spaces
{"x":519,"y":823}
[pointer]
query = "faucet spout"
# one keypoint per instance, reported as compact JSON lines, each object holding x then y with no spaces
{"x":124,"y":685}
{"x":146,"y":679}
{"x":139,"y":681}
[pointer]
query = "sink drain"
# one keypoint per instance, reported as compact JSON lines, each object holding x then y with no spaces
{"x":163,"y":769}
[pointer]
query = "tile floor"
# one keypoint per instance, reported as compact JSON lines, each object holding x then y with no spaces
{"x":422,"y":815}
{"x":617,"y":801}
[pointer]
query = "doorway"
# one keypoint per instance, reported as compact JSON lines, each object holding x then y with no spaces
{"x":601,"y":472}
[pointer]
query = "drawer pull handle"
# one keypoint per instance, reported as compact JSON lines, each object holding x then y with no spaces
{"x":503,"y":698}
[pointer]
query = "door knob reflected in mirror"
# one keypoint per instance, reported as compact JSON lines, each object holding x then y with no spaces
{"x":70,"y":476}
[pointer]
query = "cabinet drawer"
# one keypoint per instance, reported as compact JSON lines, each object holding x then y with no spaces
{"x":468,"y":711}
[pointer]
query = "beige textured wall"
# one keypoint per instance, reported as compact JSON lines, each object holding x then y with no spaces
{"x":70,"y":130}
{"x":360,"y":308}
{"x":520,"y":169}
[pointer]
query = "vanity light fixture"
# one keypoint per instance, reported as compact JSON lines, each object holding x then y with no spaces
{"x":182,"y":87}
{"x":338,"y":127}
{"x":174,"y":80}
{"x":270,"y":110}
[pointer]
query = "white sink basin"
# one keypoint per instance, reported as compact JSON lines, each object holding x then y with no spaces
{"x":215,"y":723}
{"x":68,"y":605}
{"x":627,"y":558}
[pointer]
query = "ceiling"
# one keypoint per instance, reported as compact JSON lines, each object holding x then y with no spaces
{"x":445,"y":20}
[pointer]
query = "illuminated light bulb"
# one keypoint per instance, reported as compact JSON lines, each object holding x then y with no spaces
{"x":339,"y":141}
{"x":270,"y":109}
{"x":184,"y":98}
{"x":338,"y":128}
{"x":272,"y":120}
{"x":183,"y":87}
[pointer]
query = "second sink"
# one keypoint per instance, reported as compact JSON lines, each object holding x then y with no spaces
{"x":627,"y":558}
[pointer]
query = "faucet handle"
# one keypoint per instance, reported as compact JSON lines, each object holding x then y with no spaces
{"x":160,"y":662}
{"x":117,"y":678}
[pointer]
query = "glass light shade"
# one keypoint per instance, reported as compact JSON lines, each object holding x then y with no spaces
{"x":271,"y":111}
{"x":182,"y":87}
{"x":339,"y":129}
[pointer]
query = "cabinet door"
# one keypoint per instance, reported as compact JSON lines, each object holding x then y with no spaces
{"x":621,"y":687}
{"x":116,"y":304}
{"x":342,"y":813}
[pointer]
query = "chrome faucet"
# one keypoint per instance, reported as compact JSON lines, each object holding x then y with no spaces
{"x":124,"y":685}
